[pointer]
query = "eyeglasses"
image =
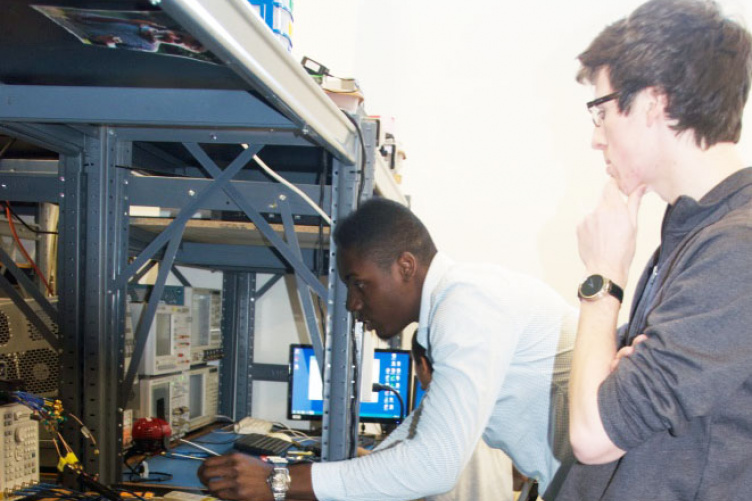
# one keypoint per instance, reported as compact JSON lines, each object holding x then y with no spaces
{"x":599,"y":113}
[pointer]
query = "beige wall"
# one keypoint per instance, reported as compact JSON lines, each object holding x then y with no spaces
{"x":493,"y":123}
{"x":495,"y":129}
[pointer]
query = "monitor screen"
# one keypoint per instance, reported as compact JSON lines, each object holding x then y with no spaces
{"x":201,"y":312}
{"x":390,"y":367}
{"x":418,"y":393}
{"x":196,"y":395}
{"x":305,"y":393}
{"x":160,"y":400}
{"x":164,"y":334}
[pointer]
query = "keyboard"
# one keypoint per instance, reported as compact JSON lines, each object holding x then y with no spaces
{"x":258,"y":444}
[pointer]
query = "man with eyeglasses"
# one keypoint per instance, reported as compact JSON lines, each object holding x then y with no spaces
{"x":662,"y":408}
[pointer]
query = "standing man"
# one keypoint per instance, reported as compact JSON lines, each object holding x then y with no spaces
{"x":500,"y":345}
{"x":664,"y":410}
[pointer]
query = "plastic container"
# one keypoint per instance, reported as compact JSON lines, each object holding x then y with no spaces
{"x":277,"y":14}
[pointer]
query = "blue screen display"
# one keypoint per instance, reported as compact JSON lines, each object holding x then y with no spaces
{"x":390,"y":367}
{"x":305,"y":391}
{"x":418,"y":393}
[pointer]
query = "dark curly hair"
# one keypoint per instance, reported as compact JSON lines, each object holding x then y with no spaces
{"x":382,"y":230}
{"x":700,"y":59}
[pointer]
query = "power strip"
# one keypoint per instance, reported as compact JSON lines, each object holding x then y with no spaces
{"x":19,"y":461}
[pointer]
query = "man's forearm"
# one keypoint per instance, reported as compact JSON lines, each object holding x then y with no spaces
{"x":301,"y":486}
{"x":595,"y":348}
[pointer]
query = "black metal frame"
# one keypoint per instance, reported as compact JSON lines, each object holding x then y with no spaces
{"x":95,"y":187}
{"x":185,"y":142}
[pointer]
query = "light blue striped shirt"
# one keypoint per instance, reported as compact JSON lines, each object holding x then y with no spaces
{"x":500,"y":343}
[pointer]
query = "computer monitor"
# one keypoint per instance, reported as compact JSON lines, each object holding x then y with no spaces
{"x":206,"y":324}
{"x":390,"y":367}
{"x":165,"y":397}
{"x":418,"y":393}
{"x":168,"y":343}
{"x":203,"y":396}
{"x":305,"y":391}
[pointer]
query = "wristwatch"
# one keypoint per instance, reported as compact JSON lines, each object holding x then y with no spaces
{"x":597,"y":286}
{"x":279,"y":478}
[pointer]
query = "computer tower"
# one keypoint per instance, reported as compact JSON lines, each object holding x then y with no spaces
{"x":24,"y":353}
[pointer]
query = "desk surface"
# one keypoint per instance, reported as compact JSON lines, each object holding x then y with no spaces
{"x":183,"y":470}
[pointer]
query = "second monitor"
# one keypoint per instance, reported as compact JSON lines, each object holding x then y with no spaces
{"x":390,"y":367}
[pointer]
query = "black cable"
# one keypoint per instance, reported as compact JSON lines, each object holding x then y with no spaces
{"x":166,"y":477}
{"x":355,"y":397}
{"x":33,"y":230}
{"x":378,"y":387}
{"x":128,"y":491}
{"x":367,"y":442}
{"x":130,"y":467}
{"x":362,"y":157}
{"x":92,"y":484}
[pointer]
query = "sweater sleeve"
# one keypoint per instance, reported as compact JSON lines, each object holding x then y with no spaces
{"x":698,"y":350}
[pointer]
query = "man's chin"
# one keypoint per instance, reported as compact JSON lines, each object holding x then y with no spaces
{"x":385,"y":335}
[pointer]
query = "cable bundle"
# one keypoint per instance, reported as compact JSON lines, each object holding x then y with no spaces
{"x":52,"y":416}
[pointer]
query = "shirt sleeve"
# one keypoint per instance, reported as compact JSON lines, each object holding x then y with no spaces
{"x":406,"y":430}
{"x":472,"y":342}
{"x":697,"y":351}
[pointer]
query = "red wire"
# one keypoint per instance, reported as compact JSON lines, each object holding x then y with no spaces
{"x":23,"y":250}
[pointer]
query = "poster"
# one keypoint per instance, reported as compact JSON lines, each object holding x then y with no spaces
{"x":145,"y":31}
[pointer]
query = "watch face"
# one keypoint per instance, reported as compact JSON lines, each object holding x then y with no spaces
{"x":592,"y":285}
{"x":280,"y":481}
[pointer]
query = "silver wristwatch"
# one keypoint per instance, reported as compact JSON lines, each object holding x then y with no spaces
{"x":279,"y":478}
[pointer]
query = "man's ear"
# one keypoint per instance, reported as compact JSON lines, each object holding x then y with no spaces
{"x":423,"y":370}
{"x":423,"y":361}
{"x":656,"y":105}
{"x":408,"y":265}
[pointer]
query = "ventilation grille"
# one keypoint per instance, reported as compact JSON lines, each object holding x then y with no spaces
{"x":24,"y":353}
{"x":40,"y":371}
{"x":34,"y":333}
{"x":4,"y":329}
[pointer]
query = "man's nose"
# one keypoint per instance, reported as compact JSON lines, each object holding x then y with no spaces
{"x":353,"y":303}
{"x":598,"y":141}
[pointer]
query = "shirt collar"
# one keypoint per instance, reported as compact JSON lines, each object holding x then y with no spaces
{"x":440,"y":264}
{"x":688,"y":214}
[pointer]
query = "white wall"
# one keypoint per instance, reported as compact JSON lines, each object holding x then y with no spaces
{"x":279,"y":323}
{"x":493,"y":122}
{"x":495,"y":129}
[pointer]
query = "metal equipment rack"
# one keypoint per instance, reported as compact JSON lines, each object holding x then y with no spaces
{"x":98,"y":130}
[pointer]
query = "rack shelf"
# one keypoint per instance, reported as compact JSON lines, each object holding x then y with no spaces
{"x":231,"y":232}
{"x":189,"y":129}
